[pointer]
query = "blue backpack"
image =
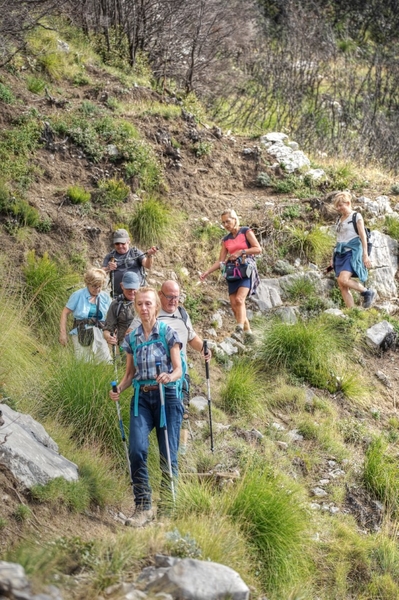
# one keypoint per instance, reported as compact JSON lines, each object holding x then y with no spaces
{"x":136,"y":385}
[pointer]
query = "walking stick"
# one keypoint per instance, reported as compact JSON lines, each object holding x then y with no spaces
{"x":165,"y":425}
{"x":122,"y":429}
{"x":208,"y":383}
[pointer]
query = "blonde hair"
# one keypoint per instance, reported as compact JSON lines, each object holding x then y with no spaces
{"x":143,"y":290}
{"x":93,"y":276}
{"x":232,"y":213}
{"x":342,"y":197}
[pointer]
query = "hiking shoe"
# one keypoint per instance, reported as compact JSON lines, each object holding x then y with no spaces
{"x":249,"y":337}
{"x":369,"y":297}
{"x":140,"y":518}
{"x":239,"y":328}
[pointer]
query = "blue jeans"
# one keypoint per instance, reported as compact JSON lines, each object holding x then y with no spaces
{"x":140,"y":428}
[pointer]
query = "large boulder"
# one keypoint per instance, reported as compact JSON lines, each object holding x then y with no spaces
{"x":29,"y":453}
{"x":384,"y":259}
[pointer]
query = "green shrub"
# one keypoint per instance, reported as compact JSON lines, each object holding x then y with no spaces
{"x":73,"y":494}
{"x":25,"y":215}
{"x":6,"y":94}
{"x":305,"y":349}
{"x":151,"y":223}
{"x":112,"y":192}
{"x":143,"y":165}
{"x":381,"y":473}
{"x":44,"y":225}
{"x":316,"y":244}
{"x":52,"y":63}
{"x":77,"y":397}
{"x":22,"y":513}
{"x":291,"y":212}
{"x":273,"y":520}
{"x":202,"y":149}
{"x":300,"y":288}
{"x":16,"y":147}
{"x":89,"y":109}
{"x":264,"y":180}
{"x":395,"y":189}
{"x":391,"y":227}
{"x":208,"y":232}
{"x":47,"y":288}
{"x":35,"y":85}
{"x":78,"y":195}
{"x":241,"y":392}
{"x":80,"y":79}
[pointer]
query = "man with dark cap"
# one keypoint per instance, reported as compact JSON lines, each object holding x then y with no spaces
{"x":121,"y":311}
{"x":126,"y":258}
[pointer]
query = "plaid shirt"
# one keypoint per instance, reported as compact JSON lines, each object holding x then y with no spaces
{"x":147,"y":356}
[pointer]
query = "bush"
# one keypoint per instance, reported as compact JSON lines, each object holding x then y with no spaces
{"x":143,"y":165}
{"x":264,"y":180}
{"x":151,"y":223}
{"x":305,"y":349}
{"x":381,"y":473}
{"x":112,"y":192}
{"x":241,"y":392}
{"x":47,"y":287}
{"x":77,"y":397}
{"x":78,"y":195}
{"x":202,"y":149}
{"x":316,"y":244}
{"x":25,"y":215}
{"x":6,"y":94}
{"x":274,"y":522}
{"x":35,"y":85}
{"x":391,"y":227}
{"x":300,"y":288}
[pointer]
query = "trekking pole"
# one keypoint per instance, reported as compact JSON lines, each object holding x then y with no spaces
{"x":122,"y":430}
{"x":112,"y":274}
{"x":163,"y":420}
{"x":208,"y":383}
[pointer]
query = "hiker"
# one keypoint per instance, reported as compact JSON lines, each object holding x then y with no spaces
{"x":239,"y":248}
{"x":121,"y":312}
{"x":177,"y":318}
{"x":89,"y":307}
{"x":350,"y":257}
{"x":126,"y":258}
{"x":151,"y":342}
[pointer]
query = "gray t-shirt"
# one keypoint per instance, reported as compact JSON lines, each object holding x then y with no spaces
{"x":184,"y":330}
{"x":345,"y":229}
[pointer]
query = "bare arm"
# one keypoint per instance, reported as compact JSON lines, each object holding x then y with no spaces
{"x":363,"y":239}
{"x":216,"y":265}
{"x":176,"y":364}
{"x":197,"y":344}
{"x":63,"y":323}
{"x":147,"y":261}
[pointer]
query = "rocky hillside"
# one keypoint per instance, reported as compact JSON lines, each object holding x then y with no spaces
{"x":72,"y":133}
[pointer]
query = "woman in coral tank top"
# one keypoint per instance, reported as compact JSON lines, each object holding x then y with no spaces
{"x":239,"y":247}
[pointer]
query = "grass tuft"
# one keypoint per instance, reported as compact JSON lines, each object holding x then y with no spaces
{"x":151,"y":223}
{"x":241,"y":393}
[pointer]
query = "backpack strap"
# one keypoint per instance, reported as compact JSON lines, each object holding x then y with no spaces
{"x":183,"y":314}
{"x":354,"y":223}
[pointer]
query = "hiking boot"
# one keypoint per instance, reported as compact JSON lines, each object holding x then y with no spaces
{"x":140,"y":518}
{"x":369,"y":297}
{"x":249,"y":337}
{"x":239,"y":329}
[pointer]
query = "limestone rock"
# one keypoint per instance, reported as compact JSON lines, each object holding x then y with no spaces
{"x":29,"y":452}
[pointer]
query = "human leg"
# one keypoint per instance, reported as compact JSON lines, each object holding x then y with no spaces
{"x":237,"y":302}
{"x":139,"y":431}
{"x":345,"y":284}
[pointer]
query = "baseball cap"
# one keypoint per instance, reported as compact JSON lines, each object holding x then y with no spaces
{"x":130,"y":281}
{"x":120,"y":235}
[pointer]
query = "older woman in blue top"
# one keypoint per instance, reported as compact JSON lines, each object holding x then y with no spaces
{"x":152,"y":343}
{"x":350,"y":257}
{"x":89,"y":307}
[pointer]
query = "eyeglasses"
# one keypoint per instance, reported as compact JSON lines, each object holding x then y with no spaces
{"x":170,"y":297}
{"x":120,"y":243}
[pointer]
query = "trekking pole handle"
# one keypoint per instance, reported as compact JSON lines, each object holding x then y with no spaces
{"x":114,"y":387}
{"x":206,"y":362}
{"x":158,"y":368}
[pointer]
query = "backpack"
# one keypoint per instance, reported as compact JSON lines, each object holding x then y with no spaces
{"x":177,"y":384}
{"x":368,"y":233}
{"x":136,"y":255}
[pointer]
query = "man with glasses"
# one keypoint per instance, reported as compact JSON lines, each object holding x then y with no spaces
{"x":126,"y":258}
